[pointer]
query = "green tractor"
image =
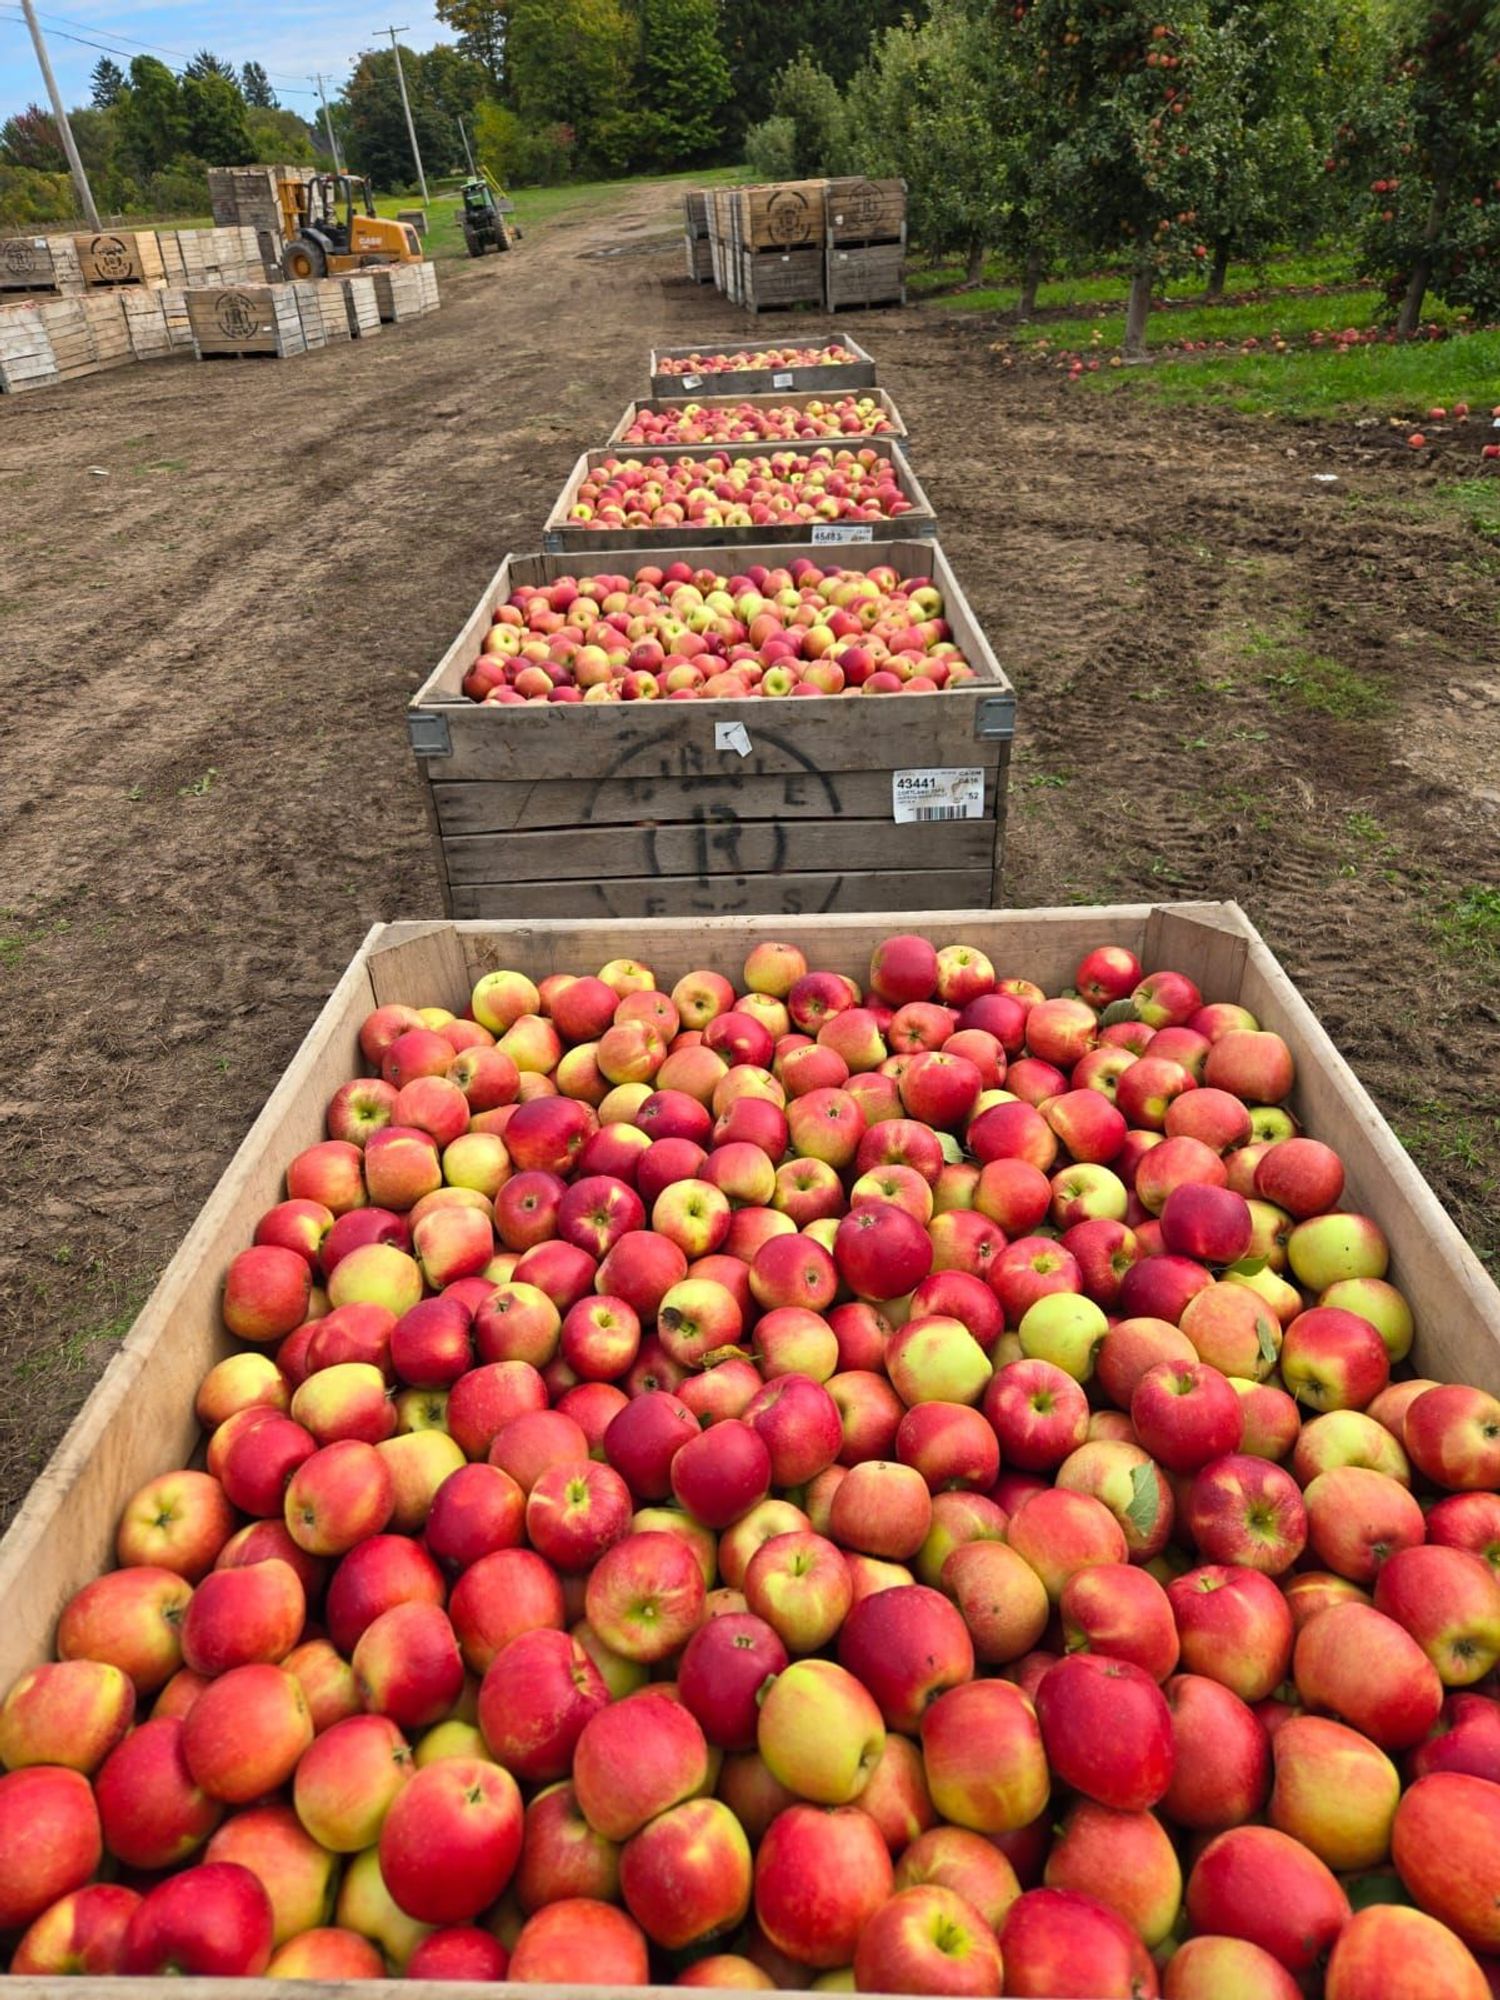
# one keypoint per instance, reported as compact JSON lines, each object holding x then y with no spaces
{"x":485,"y":207}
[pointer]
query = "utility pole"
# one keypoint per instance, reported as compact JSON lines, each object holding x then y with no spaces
{"x":75,"y":165}
{"x":333,"y":144}
{"x":468,"y":155}
{"x":411,"y":130}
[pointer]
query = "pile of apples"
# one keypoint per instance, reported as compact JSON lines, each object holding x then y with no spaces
{"x":684,"y":634}
{"x":903,"y":1489}
{"x":705,"y":423}
{"x":834,"y":355}
{"x":724,"y":491}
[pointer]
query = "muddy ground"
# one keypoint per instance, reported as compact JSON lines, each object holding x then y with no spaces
{"x":220,"y":583}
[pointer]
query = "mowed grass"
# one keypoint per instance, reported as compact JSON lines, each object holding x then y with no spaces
{"x":1319,"y":382}
{"x":999,"y":292}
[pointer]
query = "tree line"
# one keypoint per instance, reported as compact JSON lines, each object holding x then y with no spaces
{"x":1171,"y":136}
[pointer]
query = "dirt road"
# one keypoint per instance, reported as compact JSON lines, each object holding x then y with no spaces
{"x":220,"y":583}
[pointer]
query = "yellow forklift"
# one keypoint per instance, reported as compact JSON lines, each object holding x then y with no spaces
{"x":330,"y":227}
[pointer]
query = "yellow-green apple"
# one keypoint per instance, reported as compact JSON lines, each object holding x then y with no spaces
{"x":50,"y":1839}
{"x":1038,"y":1412}
{"x":687,"y":1876}
{"x":1247,"y":1511}
{"x":535,"y":1701}
{"x":870,"y":1574}
{"x":151,"y":1813}
{"x":240,"y":1617}
{"x":951,"y":1857}
{"x":449,"y":1739}
{"x":408,"y":1665}
{"x":950,"y":1444}
{"x":1387,"y":1952}
{"x":1235,"y":1626}
{"x":328,"y":1953}
{"x":1272,"y":1422}
{"x":1334,"y":1791}
{"x":561,"y":1854}
{"x":1107,"y":1730}
{"x":1367,"y":1670}
{"x":331,"y":1172}
{"x":575,"y":1511}
{"x":645,"y":1596}
{"x":266,"y":1292}
{"x":1087,"y":1193}
{"x":1452,"y":1435}
{"x":795,"y":1341}
{"x":880,"y":1251}
{"x":1222,"y":1968}
{"x":1065,"y":1329}
{"x":81,"y":1933}
{"x":986,"y":1767}
{"x":693,"y":1214}
{"x":819,"y":1880}
{"x":240,"y":1382}
{"x":377,"y":1274}
{"x":535,"y":1047}
{"x":212,"y":1922}
{"x":1256,"y":1883}
{"x":1449,"y":1601}
{"x":643,"y":1439}
{"x":933,"y":1359}
{"x":347,"y":1779}
{"x":1059,"y":1533}
{"x":1130,"y":1484}
{"x":1334,"y":1360}
{"x":246,"y":1732}
{"x":1002,"y":1600}
{"x":927,"y":1939}
{"x":450,"y":1841}
{"x":799,"y":1585}
{"x":1124,"y":1860}
{"x":723,"y":1668}
{"x":699,"y":1317}
{"x":1380,"y":1303}
{"x":1161,"y":1288}
{"x":1221,"y":1756}
{"x":1446,"y":1846}
{"x":365,"y":1906}
{"x":71,"y":1713}
{"x":881,"y":1508}
{"x":1061,"y":1941}
{"x":1122,"y":1613}
{"x":1130,"y":1348}
{"x":1348,"y":1438}
{"x":1357,"y":1520}
{"x":349,"y":1400}
{"x":1325,"y":1249}
{"x":820,"y":1732}
{"x":637,"y":1758}
{"x":501,"y":997}
{"x":737,"y":1545}
{"x":296,"y":1872}
{"x":1186,"y":1414}
{"x":908,"y":1646}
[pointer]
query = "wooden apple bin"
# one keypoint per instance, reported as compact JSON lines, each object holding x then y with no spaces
{"x":139,"y":1422}
{"x":817,"y":378}
{"x":789,"y":398}
{"x":642,"y":809}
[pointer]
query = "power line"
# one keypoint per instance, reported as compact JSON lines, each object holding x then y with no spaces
{"x":111,"y":49}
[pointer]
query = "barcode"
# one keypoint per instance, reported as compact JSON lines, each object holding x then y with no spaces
{"x":936,"y":812}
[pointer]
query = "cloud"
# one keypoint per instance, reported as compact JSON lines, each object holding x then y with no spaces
{"x":292,"y":41}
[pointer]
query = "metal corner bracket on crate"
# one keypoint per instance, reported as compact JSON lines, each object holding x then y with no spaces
{"x":995,"y":715}
{"x":430,"y":735}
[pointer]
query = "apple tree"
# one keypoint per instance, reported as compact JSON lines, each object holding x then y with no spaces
{"x":1430,"y":144}
{"x":1125,"y":95}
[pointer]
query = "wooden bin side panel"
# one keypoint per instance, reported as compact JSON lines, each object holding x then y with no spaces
{"x":871,"y":275}
{"x":789,"y":215}
{"x":361,"y":307}
{"x":27,"y":264}
{"x":865,"y":211}
{"x":790,"y":895}
{"x":26,"y":357}
{"x":105,"y":311}
{"x":782,"y":278}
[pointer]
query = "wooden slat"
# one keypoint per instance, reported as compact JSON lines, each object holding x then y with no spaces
{"x":727,"y":845}
{"x":749,"y":792}
{"x":643,"y":896}
{"x":865,"y":211}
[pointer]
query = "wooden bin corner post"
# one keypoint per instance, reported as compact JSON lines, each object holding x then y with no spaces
{"x":649,"y":809}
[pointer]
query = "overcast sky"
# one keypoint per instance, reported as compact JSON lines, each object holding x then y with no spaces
{"x":291,"y":40}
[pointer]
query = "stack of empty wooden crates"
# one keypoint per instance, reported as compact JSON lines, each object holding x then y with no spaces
{"x":700,"y":263}
{"x":248,"y":198}
{"x":826,"y":243}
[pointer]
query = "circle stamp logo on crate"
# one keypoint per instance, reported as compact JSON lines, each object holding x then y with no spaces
{"x":236,"y":315}
{"x":862,"y":208}
{"x":111,"y":258}
{"x":20,"y":259}
{"x":789,"y":217}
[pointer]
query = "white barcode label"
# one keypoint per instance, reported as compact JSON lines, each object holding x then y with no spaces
{"x":782,"y":380}
{"x":732,"y":736}
{"x":829,"y":534}
{"x":691,"y":381}
{"x":933,"y":795}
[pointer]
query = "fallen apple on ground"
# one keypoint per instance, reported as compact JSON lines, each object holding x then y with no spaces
{"x":738,"y":1564}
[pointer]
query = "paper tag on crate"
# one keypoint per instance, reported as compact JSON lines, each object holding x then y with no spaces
{"x":691,"y":381}
{"x":931,"y":795}
{"x":829,"y":534}
{"x":732,"y":736}
{"x":783,"y":380}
